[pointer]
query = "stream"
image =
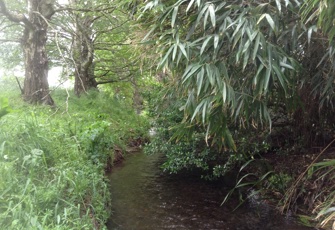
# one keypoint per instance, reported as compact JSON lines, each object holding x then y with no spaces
{"x":145,"y":198}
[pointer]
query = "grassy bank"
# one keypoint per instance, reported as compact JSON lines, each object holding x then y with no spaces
{"x":52,"y":160}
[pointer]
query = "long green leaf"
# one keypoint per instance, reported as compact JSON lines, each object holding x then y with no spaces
{"x":278,"y":5}
{"x":283,"y":64}
{"x":280,"y":76}
{"x":203,"y":47}
{"x":212,"y":14}
{"x":200,"y":78}
{"x":216,"y":41}
{"x":183,"y":50}
{"x":190,"y":71}
{"x":256,"y":46}
{"x":270,"y":21}
{"x":174,"y":16}
{"x":267,"y":79}
{"x":175,"y":48}
{"x":189,"y":5}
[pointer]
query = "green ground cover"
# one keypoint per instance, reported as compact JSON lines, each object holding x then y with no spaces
{"x":53,"y":160}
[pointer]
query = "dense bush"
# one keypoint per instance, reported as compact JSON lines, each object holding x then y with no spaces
{"x":185,"y":145}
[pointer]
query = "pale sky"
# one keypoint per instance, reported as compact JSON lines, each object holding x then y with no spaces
{"x":63,"y":2}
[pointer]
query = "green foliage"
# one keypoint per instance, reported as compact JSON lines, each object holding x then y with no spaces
{"x":238,"y":68}
{"x":306,"y":220}
{"x":237,"y":63}
{"x":279,"y":182}
{"x":47,"y":182}
{"x":52,"y":162}
{"x":248,"y":181}
{"x":4,"y":107}
{"x":185,"y":149}
{"x":322,"y":12}
{"x":8,"y":84}
{"x":320,"y":173}
{"x":227,"y":59}
{"x":11,"y":53}
{"x":185,"y":153}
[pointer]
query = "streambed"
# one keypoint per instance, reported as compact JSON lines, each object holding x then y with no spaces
{"x":145,"y":198}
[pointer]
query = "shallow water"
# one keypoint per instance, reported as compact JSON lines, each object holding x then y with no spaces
{"x":144,"y":198}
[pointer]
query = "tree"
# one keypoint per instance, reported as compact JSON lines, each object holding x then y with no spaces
{"x":83,"y":50}
{"x":99,"y":40}
{"x":35,"y":24}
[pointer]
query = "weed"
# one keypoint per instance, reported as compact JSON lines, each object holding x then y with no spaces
{"x":52,"y":161}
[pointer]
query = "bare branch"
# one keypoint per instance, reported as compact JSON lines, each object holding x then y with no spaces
{"x":9,"y":40}
{"x":123,"y":79}
{"x":12,"y":16}
{"x":96,"y":9}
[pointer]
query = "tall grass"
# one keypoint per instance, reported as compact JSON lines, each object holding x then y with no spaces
{"x":52,"y":160}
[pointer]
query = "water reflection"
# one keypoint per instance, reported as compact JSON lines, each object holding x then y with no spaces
{"x":143,"y":198}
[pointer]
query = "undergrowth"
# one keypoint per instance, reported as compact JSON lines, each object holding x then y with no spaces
{"x":52,"y":160}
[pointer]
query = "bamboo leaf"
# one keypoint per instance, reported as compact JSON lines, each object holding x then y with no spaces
{"x":189,"y":5}
{"x":204,"y":110}
{"x":255,"y":81}
{"x":270,"y":21}
{"x":261,"y":18}
{"x":278,"y":5}
{"x":246,"y":59}
{"x":246,"y":46}
{"x":309,"y":34}
{"x":223,"y":70}
{"x":200,"y":15}
{"x":287,"y":66}
{"x":216,"y":41}
{"x":224,"y":92}
{"x":228,"y":139}
{"x":237,"y":29}
{"x":206,"y":17}
{"x":164,"y":60}
{"x":220,"y":6}
{"x":212,"y":14}
{"x":197,"y":109}
{"x":200,"y":78}
{"x":205,"y":44}
{"x":287,"y":2}
{"x":175,"y":47}
{"x":256,"y":46}
{"x":183,"y":50}
{"x":190,"y":71}
{"x":246,"y":164}
{"x":174,"y":16}
{"x":210,"y":74}
{"x":280,"y":76}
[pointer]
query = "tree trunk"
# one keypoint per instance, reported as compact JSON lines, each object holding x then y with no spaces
{"x":35,"y":22}
{"x":83,"y":56}
{"x":84,"y":78}
{"x":36,"y":87}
